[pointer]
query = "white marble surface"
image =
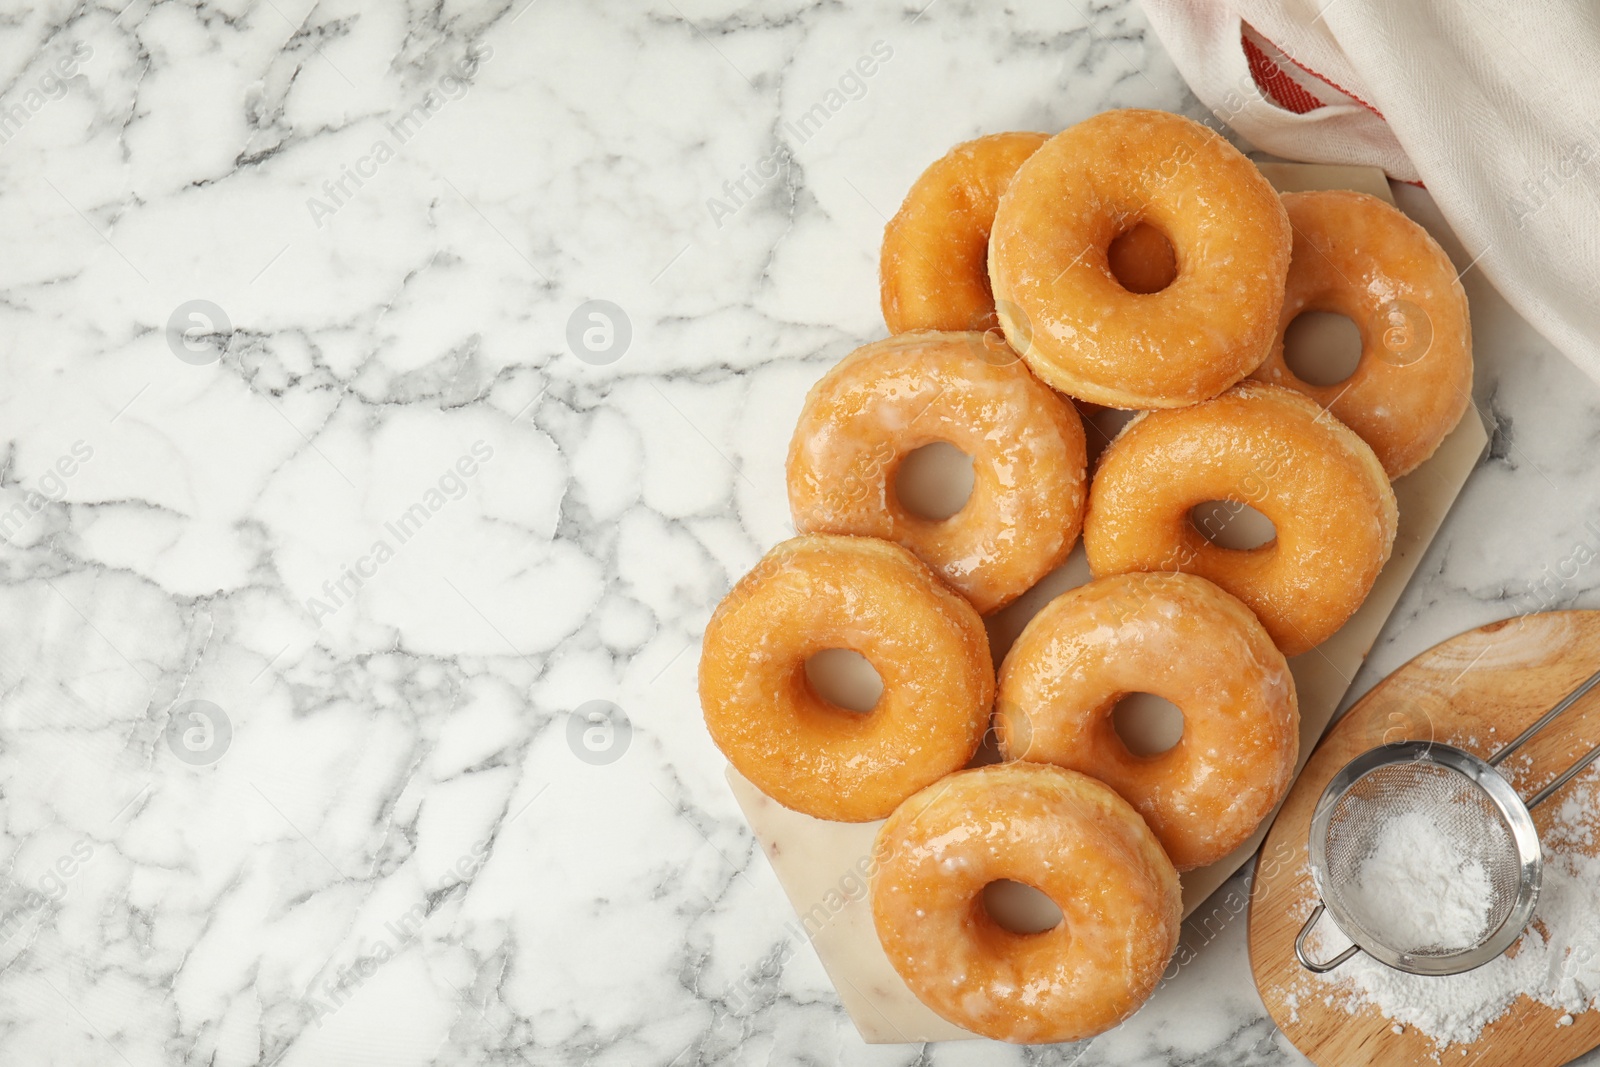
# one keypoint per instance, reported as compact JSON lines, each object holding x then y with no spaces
{"x":401,"y":848}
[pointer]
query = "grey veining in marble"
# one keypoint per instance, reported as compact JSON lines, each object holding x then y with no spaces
{"x":354,"y":562}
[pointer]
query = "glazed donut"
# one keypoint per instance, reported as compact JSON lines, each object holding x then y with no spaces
{"x":1060,"y":305}
{"x":1183,"y":639}
{"x":933,"y":271}
{"x":926,"y":643}
{"x":1066,"y":835}
{"x":1356,"y":256}
{"x":891,"y":397}
{"x":1276,"y":451}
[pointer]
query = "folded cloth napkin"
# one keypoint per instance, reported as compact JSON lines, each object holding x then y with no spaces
{"x":1493,"y":105}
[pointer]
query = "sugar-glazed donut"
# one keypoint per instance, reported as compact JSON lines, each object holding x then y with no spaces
{"x":891,"y":397}
{"x":1060,"y":832}
{"x":1276,"y":451}
{"x":1076,"y":325}
{"x":1181,"y":638}
{"x":934,"y":268}
{"x":926,"y":643}
{"x":1356,"y":256}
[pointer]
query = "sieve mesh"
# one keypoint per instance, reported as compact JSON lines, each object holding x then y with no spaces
{"x":1460,"y":806}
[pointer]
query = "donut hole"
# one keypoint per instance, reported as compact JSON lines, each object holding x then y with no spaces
{"x":935,"y":481}
{"x":1232,"y":524}
{"x":1322,"y":347}
{"x":845,"y":679}
{"x":1100,"y":428}
{"x":1142,"y":259}
{"x":1147,"y":724}
{"x":1018,"y":908}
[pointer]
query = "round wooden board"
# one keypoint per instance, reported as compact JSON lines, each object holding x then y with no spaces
{"x":1476,"y":691}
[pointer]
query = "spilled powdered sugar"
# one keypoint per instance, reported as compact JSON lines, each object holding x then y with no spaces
{"x":1556,"y":963}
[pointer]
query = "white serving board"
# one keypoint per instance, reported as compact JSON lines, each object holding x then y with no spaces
{"x":821,"y":864}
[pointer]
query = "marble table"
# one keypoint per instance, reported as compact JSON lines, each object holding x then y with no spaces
{"x":392,"y":390}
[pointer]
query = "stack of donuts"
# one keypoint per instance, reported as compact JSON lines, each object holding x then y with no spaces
{"x":1136,"y":261}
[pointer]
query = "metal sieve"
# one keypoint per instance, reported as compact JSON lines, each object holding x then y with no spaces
{"x":1477,"y":809}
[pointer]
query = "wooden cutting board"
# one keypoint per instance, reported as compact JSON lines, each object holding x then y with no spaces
{"x":1476,"y":691}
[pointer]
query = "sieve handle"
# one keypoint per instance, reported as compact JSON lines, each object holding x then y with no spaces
{"x":1563,"y":778}
{"x":1544,"y":720}
{"x":1307,"y":962}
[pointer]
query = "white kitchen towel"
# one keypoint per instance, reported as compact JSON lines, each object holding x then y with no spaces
{"x":1493,"y":105}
